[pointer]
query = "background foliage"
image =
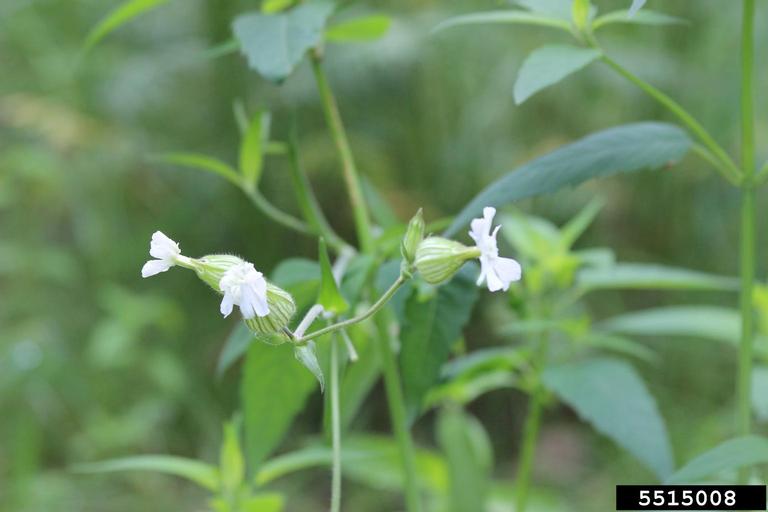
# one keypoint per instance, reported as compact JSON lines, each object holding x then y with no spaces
{"x":95,"y":363}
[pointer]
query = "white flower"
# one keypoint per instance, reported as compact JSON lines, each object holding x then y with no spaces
{"x":498,"y":272}
{"x":244,"y":286}
{"x":166,"y":252}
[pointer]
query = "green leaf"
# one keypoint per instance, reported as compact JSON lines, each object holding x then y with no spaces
{"x":291,"y":462}
{"x":266,"y":502}
{"x":367,"y":28}
{"x":503,"y":17}
{"x":301,"y":278}
{"x":273,"y":6}
{"x":580,"y":13}
{"x":626,"y":148}
{"x":732,"y":454}
{"x":548,"y":65}
{"x":466,"y":445}
{"x":760,"y":392}
{"x":237,"y":345}
{"x":359,"y":378}
{"x":555,"y":8}
{"x":579,"y":224}
{"x":636,"y":6}
{"x":430,"y":328}
{"x":641,"y":276}
{"x":231,"y":463}
{"x":252,"y":148}
{"x":641,"y":18}
{"x":329,"y":297}
{"x":202,"y":163}
{"x":612,"y":397}
{"x":273,"y":391}
{"x":706,"y":322}
{"x":274,"y":44}
{"x":620,"y":345}
{"x":202,"y":474}
{"x":119,"y":16}
{"x":307,"y":355}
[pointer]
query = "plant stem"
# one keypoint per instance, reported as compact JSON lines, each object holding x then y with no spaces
{"x":397,"y":413}
{"x":531,"y":428}
{"x":744,"y":416}
{"x":727,"y":168}
{"x":307,"y":200}
{"x":339,"y":135}
{"x":279,"y":216}
{"x":335,"y":428}
{"x":357,"y":319}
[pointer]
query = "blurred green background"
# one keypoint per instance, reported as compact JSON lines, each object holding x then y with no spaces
{"x":97,"y":363}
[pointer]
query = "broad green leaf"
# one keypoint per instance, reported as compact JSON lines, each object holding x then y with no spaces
{"x":641,"y":276}
{"x":273,"y":391}
{"x":119,"y":16}
{"x":430,"y":329}
{"x":706,"y":322}
{"x":252,"y":148}
{"x":267,"y":502}
{"x":503,"y":17}
{"x":273,"y":6}
{"x":274,"y":44}
{"x":636,"y":6}
{"x":470,"y":458}
{"x":548,"y":65}
{"x":732,"y":454}
{"x":202,"y":163}
{"x":626,"y":148}
{"x":202,"y":474}
{"x":760,"y":392}
{"x":612,"y":397}
{"x":367,"y":28}
{"x":231,"y":463}
{"x":329,"y":297}
{"x":236,"y":346}
{"x":307,"y":355}
{"x":641,"y":18}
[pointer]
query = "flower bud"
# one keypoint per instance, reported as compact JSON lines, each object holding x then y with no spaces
{"x":413,"y":237}
{"x":438,"y":259}
{"x":281,"y":310}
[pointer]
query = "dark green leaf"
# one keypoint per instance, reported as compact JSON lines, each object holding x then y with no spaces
{"x":548,"y":65}
{"x":200,"y":473}
{"x":503,"y":17}
{"x":274,"y":44}
{"x":627,"y":148}
{"x":466,"y":445}
{"x":611,"y":396}
{"x":273,"y":391}
{"x":329,"y":297}
{"x":430,"y":328}
{"x":121,"y":15}
{"x":642,"y":276}
{"x":367,"y":28}
{"x":732,"y":454}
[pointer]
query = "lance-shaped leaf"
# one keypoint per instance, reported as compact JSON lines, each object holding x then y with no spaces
{"x":367,"y":28}
{"x":612,"y":397}
{"x":252,"y":147}
{"x":231,"y":463}
{"x":641,"y":276}
{"x":118,"y":17}
{"x":508,"y":17}
{"x":198,"y":472}
{"x":274,"y":44}
{"x":201,"y":163}
{"x":626,"y":148}
{"x":644,"y":17}
{"x":307,"y":355}
{"x":430,"y":328}
{"x":733,"y":454}
{"x":329,"y":297}
{"x":548,"y":65}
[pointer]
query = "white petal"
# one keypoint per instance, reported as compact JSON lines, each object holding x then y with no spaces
{"x":246,"y":303}
{"x":489,"y":212}
{"x":261,"y":306}
{"x":508,"y":269}
{"x":226,"y":305}
{"x":153,"y":267}
{"x":494,"y":281}
{"x":162,"y":247}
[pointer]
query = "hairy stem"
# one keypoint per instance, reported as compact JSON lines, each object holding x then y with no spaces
{"x":744,"y":379}
{"x":335,"y":427}
{"x":398,"y":416}
{"x":349,"y":168}
{"x":386,"y":296}
{"x":726,"y":165}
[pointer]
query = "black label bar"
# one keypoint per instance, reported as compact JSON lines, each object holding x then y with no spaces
{"x":690,"y":497}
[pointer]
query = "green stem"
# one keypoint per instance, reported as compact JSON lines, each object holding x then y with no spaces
{"x":359,"y":318}
{"x":279,"y":216}
{"x":531,"y":428}
{"x":727,"y":167}
{"x":335,"y":428}
{"x":744,"y":417}
{"x":397,"y":413}
{"x":349,"y":168}
{"x":308,"y":202}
